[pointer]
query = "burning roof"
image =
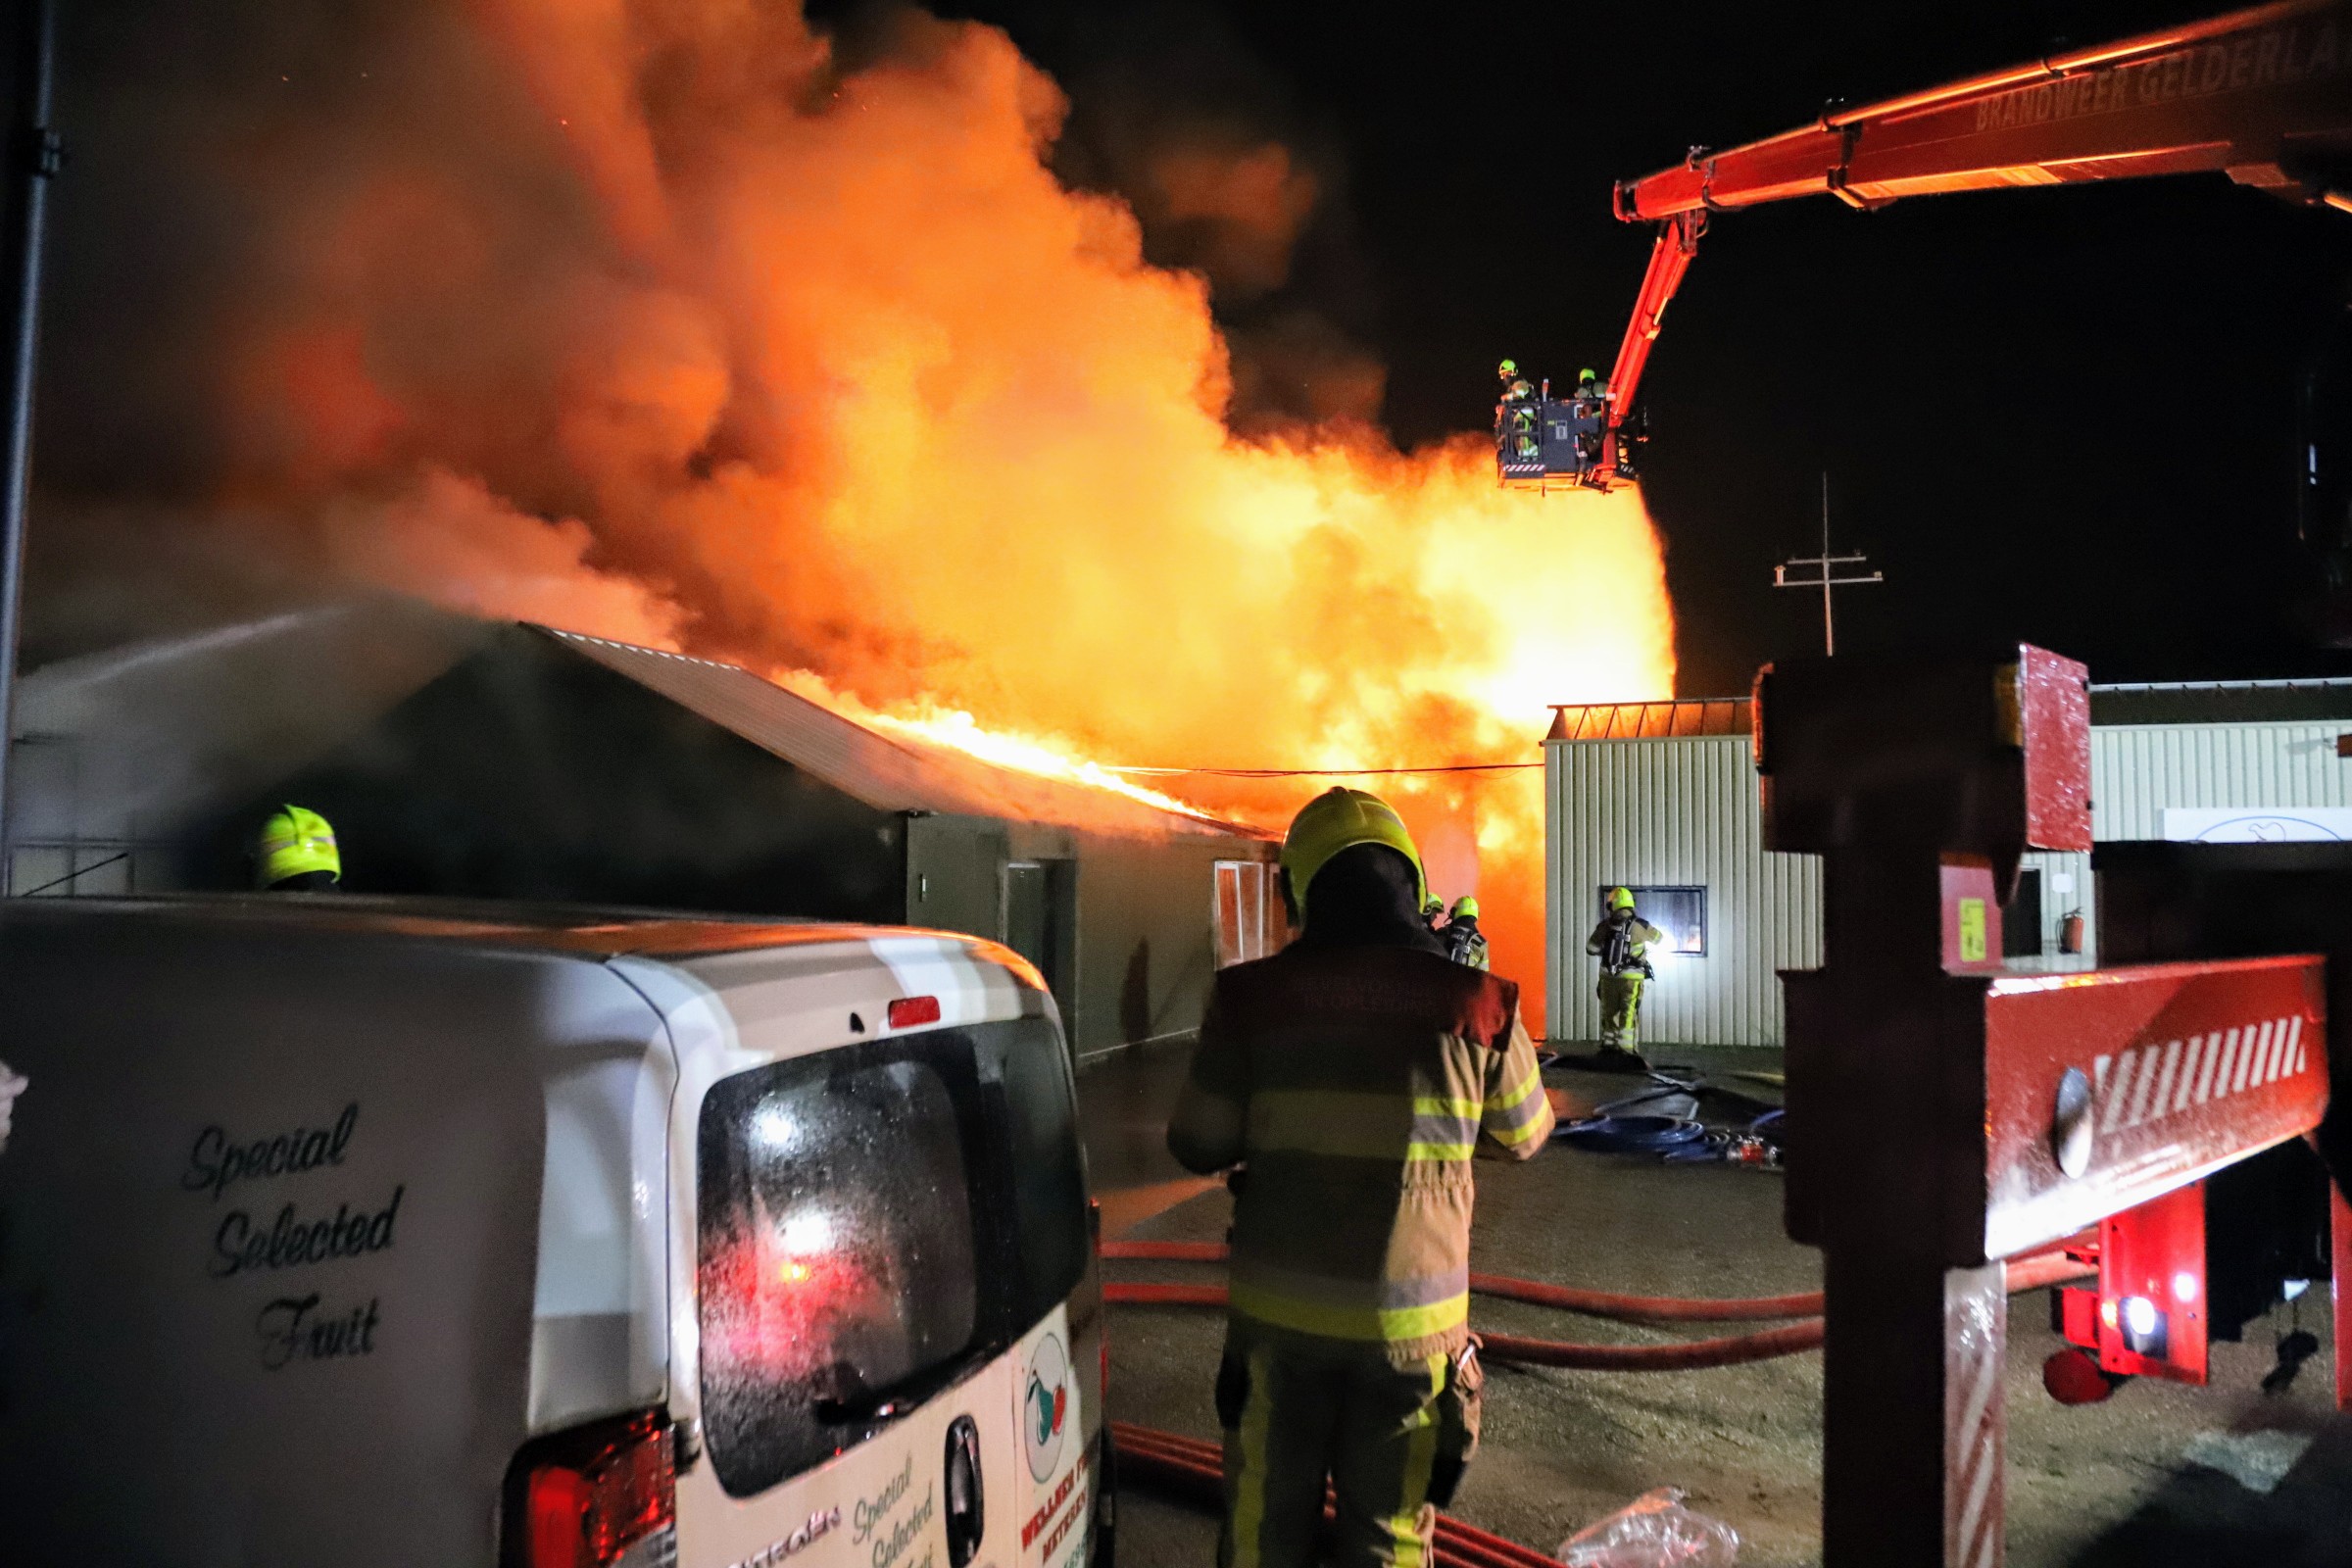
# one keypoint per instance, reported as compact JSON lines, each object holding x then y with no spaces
{"x":896,"y":772}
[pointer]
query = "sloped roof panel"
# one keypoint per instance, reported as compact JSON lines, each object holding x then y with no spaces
{"x":1683,"y":719}
{"x":887,"y":773}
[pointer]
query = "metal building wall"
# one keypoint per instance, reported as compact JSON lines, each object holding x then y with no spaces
{"x":2136,"y":771}
{"x":1681,"y":811}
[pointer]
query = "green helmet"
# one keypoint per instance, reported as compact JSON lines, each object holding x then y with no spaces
{"x":1588,"y":376}
{"x":1621,"y":897}
{"x":1432,"y":906}
{"x":295,"y":840}
{"x":1508,"y":368}
{"x":1338,"y":819}
{"x":1465,"y":909}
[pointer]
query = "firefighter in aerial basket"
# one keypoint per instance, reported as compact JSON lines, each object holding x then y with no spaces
{"x":1516,"y":415}
{"x":1350,"y":1077}
{"x":1622,"y":943}
{"x":296,"y":852}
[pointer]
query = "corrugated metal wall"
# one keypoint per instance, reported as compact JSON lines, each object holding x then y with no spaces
{"x":2136,"y":771}
{"x":1675,"y":813}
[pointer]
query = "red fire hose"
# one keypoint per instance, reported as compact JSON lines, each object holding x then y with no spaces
{"x":2025,"y":1274}
{"x":2032,"y":1273}
{"x":1195,"y":1471}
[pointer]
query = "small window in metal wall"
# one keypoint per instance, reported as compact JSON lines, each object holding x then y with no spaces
{"x":1679,"y":911}
{"x":1249,"y":914}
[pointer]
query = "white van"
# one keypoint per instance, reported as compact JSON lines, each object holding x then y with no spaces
{"x":337,"y":1233}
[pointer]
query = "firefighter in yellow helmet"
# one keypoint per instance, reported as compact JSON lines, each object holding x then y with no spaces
{"x":296,"y":852}
{"x":1622,"y":943}
{"x":1351,"y":1075}
{"x":1465,"y":943}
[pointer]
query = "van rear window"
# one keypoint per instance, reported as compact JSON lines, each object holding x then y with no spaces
{"x":875,"y":1221}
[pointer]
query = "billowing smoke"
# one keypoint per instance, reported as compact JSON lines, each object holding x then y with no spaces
{"x":666,"y":319}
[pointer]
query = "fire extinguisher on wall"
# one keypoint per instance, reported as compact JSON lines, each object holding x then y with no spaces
{"x":2070,"y":932}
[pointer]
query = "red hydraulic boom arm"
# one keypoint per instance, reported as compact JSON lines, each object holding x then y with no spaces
{"x":2263,"y":95}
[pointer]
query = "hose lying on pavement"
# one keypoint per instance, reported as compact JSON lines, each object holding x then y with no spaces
{"x":1193,"y":1471}
{"x":2027,"y":1274}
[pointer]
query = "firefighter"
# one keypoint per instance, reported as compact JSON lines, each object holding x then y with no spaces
{"x":296,"y":852}
{"x":1433,"y":913}
{"x":1590,"y":409}
{"x":1465,"y":943}
{"x":1621,"y":942}
{"x":1352,"y":1076}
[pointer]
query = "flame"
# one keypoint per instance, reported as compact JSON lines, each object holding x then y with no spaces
{"x":937,"y":725}
{"x":700,"y":336}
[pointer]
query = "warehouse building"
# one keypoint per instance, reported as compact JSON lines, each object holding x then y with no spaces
{"x":493,"y":759}
{"x":1661,"y":797}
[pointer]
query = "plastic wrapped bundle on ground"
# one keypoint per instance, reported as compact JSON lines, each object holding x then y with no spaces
{"x":1653,"y":1531}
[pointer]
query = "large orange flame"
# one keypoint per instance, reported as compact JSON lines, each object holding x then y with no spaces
{"x":731,"y":347}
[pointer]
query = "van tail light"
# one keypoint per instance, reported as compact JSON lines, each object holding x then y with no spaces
{"x":588,"y":1498}
{"x":907,"y":1011}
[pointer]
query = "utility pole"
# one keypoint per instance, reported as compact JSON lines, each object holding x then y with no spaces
{"x":1826,"y":567}
{"x":33,"y":153}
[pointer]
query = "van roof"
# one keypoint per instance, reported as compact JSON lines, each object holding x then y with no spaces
{"x":537,"y":927}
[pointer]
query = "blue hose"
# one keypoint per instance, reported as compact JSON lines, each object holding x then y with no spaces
{"x":1631,"y":1135}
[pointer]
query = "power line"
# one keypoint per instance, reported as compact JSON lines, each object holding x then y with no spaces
{"x":1327,"y":772}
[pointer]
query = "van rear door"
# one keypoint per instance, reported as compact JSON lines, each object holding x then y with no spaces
{"x":270,"y":1210}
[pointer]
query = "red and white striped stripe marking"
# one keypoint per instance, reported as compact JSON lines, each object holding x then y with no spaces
{"x":2148,"y":1083}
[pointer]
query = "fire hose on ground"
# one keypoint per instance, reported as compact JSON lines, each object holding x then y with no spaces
{"x":2025,"y":1274}
{"x":1193,"y":1471}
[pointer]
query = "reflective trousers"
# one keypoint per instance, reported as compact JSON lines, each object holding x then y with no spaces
{"x":1294,"y":1418}
{"x":1620,"y":1011}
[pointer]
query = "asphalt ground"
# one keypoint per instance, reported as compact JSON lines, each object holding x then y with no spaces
{"x":2158,"y":1474}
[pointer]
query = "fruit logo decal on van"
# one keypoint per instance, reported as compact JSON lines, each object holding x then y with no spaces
{"x":1046,"y":1405}
{"x":12,"y":1084}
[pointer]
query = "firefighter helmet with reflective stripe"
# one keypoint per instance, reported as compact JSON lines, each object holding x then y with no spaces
{"x":1621,"y":897}
{"x":1586,"y":376}
{"x":1507,"y":368}
{"x":1339,"y":819}
{"x":1432,"y":906}
{"x":295,"y":840}
{"x":1465,"y":908}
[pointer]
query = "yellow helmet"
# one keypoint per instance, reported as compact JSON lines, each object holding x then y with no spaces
{"x":1621,"y":897}
{"x":1465,"y":908}
{"x":296,"y":840}
{"x":1339,"y":819}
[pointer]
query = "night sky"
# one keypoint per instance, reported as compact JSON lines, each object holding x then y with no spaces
{"x":2062,"y":414}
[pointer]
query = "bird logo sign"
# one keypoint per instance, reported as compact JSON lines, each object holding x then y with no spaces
{"x":1046,"y":1405}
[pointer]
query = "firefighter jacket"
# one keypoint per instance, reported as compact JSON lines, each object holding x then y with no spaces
{"x":1624,"y":949}
{"x":1355,"y":1084}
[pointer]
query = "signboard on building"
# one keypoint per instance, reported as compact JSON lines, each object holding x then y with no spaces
{"x":2238,"y":825}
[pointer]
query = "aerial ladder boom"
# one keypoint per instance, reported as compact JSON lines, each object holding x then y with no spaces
{"x":2263,"y":95}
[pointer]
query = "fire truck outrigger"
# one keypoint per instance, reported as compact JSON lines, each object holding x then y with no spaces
{"x":2263,"y":95}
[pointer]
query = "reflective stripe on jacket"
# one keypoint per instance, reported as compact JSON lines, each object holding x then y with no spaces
{"x":1357,"y":1084}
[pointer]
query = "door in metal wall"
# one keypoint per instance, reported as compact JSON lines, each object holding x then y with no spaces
{"x":954,"y":875}
{"x":1041,"y":921}
{"x":2021,"y":917}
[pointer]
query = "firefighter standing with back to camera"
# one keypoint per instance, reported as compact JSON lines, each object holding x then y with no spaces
{"x":1352,"y":1076}
{"x":1622,"y":941}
